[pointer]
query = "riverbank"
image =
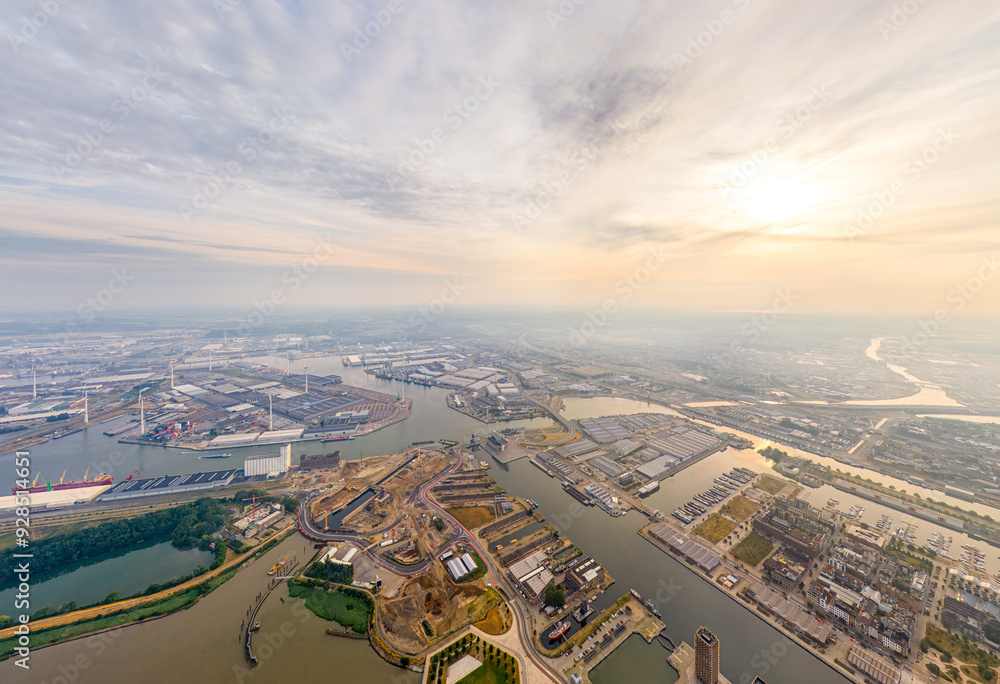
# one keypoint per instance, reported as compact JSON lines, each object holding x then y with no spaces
{"x":59,"y":628}
{"x":829,"y":661}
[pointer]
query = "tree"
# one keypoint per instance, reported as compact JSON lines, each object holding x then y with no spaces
{"x":554,"y":596}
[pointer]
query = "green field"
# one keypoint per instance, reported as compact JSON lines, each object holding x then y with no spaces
{"x":715,"y":528}
{"x":752,"y":549}
{"x":485,"y":674}
{"x":739,"y":508}
{"x":336,"y":606}
{"x":770,"y":485}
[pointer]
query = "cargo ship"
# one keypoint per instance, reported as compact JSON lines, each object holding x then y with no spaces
{"x":215,"y":456}
{"x":337,"y":438}
{"x":559,"y":630}
{"x":101,"y":479}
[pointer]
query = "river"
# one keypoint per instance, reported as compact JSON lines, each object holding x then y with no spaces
{"x":201,"y":644}
{"x":126,"y":572}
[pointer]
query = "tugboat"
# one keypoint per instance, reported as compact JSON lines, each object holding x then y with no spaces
{"x":559,"y":630}
{"x":277,"y":566}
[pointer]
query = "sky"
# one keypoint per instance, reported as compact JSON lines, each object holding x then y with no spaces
{"x":840,"y":156}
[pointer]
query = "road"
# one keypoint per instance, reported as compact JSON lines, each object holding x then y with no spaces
{"x":495,"y":576}
{"x":99,"y":611}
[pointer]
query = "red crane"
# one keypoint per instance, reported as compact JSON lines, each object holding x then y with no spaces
{"x":133,"y":475}
{"x":253,"y":498}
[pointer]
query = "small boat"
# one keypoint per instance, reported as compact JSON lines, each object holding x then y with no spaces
{"x":559,"y":630}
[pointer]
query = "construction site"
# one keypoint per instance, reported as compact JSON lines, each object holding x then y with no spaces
{"x":379,"y":504}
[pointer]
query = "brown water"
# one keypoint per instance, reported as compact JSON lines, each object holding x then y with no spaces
{"x":203,"y":643}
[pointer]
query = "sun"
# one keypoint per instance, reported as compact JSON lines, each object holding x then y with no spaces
{"x":778,"y":200}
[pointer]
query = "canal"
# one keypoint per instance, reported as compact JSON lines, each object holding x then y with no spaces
{"x":203,"y":643}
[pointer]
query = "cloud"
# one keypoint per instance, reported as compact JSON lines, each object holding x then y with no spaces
{"x":118,"y":117}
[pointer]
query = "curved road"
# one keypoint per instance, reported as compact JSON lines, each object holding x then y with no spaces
{"x":496,"y":576}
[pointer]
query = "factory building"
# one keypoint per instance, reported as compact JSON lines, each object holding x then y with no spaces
{"x":269,"y":466}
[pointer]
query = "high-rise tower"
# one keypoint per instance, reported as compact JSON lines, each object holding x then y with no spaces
{"x":706,"y":656}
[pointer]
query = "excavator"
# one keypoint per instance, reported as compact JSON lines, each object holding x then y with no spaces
{"x":133,"y":475}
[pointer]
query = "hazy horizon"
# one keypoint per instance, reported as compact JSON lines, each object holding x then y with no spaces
{"x":681,"y":156}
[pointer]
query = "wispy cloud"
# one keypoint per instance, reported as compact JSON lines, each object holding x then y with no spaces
{"x":670,"y":131}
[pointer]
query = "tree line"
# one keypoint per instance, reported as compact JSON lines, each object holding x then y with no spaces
{"x":186,"y":526}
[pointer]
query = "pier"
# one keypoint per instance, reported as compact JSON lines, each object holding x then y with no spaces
{"x":611,"y":632}
{"x":251,"y":625}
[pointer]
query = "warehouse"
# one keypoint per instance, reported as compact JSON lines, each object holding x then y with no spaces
{"x":584,"y":446}
{"x":683,"y":442}
{"x":624,"y":447}
{"x":343,"y":555}
{"x":469,"y":563}
{"x":604,"y":430}
{"x":169,"y":484}
{"x":680,"y":543}
{"x":456,"y":569}
{"x":607,"y":467}
{"x":658,"y":467}
{"x":530,"y":575}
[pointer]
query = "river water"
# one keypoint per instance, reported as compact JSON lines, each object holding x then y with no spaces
{"x":201,"y":644}
{"x":123,"y":571}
